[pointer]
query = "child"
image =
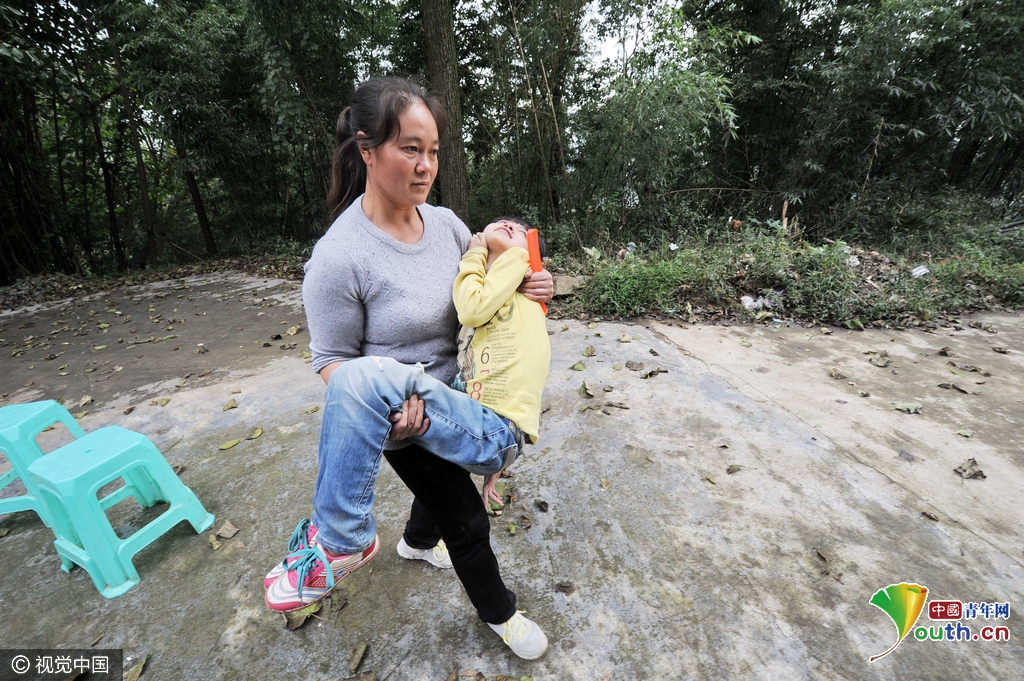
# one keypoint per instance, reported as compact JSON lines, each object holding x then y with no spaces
{"x":504,"y":351}
{"x":504,"y":358}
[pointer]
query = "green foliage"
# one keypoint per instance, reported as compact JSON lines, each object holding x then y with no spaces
{"x":798,"y":279}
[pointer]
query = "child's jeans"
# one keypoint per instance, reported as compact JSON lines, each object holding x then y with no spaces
{"x":361,"y":394}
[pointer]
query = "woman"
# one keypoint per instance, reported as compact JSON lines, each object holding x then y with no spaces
{"x":379,"y":284}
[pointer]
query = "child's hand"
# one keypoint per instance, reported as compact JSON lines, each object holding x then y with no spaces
{"x":489,"y":493}
{"x":478,"y":241}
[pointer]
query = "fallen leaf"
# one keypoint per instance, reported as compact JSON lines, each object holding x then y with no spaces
{"x":213,"y":542}
{"x":589,"y":351}
{"x":836,"y":374}
{"x":85,"y":400}
{"x":881,"y":359}
{"x":312,"y":410}
{"x":634,"y":366}
{"x":617,"y":367}
{"x":586,"y":407}
{"x":565,"y":328}
{"x":541,"y":505}
{"x":178,"y":469}
{"x":135,"y":672}
{"x":295,"y":619}
{"x":256,"y":432}
{"x":965,"y":433}
{"x":586,"y":390}
{"x":525,"y":522}
{"x":907,"y":456}
{"x":180,"y":384}
{"x":710,"y":479}
{"x":227,"y":531}
{"x":4,"y":531}
{"x":826,"y":331}
{"x":592,"y":325}
{"x":512,"y":528}
{"x":306,"y":354}
{"x":205,"y":373}
{"x":745,"y":343}
{"x":625,"y":339}
{"x":163,"y":401}
{"x":567,"y":588}
{"x":733,"y":468}
{"x":864,"y":393}
{"x":229,"y":444}
{"x":99,"y":347}
{"x":97,"y":640}
{"x":607,"y":388}
{"x":81,"y":415}
{"x":930,"y":515}
{"x":1000,"y":350}
{"x":230,"y":405}
{"x":969,"y":469}
{"x":292,"y":330}
{"x":855,"y":324}
{"x":948,"y":352}
{"x":355,"y":658}
{"x":909,"y":407}
{"x":129,"y":410}
{"x":616,"y":405}
{"x":605,"y":483}
{"x":654,"y":352}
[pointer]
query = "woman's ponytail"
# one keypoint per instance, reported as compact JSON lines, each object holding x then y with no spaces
{"x":348,"y":171}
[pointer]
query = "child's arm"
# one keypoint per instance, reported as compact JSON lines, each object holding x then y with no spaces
{"x":480,"y":292}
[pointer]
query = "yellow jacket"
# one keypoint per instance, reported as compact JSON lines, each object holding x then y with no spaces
{"x":504,"y":351}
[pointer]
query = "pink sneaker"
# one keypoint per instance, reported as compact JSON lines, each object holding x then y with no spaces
{"x":303,"y":537}
{"x":306,"y":580}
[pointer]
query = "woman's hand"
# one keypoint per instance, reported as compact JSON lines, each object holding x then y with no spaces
{"x":410,"y":422}
{"x":538,"y":286}
{"x":489,"y":493}
{"x":478,"y":240}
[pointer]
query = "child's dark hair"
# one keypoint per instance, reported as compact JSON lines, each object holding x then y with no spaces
{"x":374,"y":111}
{"x":523,"y":222}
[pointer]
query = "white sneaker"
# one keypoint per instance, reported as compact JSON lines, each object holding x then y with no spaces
{"x":523,"y":636}
{"x":437,"y":556}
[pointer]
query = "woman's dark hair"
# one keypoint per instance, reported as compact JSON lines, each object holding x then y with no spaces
{"x":374,"y":111}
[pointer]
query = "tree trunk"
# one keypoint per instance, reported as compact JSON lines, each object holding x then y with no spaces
{"x":108,"y":186}
{"x":149,"y":222}
{"x":197,"y":202}
{"x":442,"y":61}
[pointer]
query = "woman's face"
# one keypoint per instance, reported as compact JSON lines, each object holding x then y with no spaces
{"x":402,"y":169}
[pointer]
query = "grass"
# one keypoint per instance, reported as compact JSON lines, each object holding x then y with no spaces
{"x":809,"y":281}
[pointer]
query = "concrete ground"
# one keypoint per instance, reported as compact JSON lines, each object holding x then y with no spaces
{"x":677,"y":568}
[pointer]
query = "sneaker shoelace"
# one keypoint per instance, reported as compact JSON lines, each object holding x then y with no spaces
{"x":440,"y":551}
{"x":514,"y":630}
{"x":305,"y":561}
{"x":298,"y":540}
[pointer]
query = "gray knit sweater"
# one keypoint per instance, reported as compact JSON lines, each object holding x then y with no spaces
{"x":366,"y":293}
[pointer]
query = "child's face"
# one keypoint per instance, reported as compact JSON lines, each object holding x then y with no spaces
{"x":503,"y":235}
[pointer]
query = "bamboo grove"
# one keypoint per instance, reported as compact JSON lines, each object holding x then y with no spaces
{"x":138,"y":134}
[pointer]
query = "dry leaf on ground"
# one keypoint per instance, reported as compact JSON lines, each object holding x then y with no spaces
{"x":229,"y":444}
{"x":227,"y":530}
{"x":231,"y":405}
{"x":969,"y":470}
{"x":565,"y":587}
{"x":356,"y":657}
{"x":135,"y":672}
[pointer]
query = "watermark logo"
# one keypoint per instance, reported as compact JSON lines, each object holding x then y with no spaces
{"x":903,"y":604}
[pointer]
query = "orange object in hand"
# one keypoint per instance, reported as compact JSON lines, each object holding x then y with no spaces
{"x":533,"y":242}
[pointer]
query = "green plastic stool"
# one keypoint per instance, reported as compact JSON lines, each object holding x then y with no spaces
{"x":19,"y":426}
{"x":69,"y":480}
